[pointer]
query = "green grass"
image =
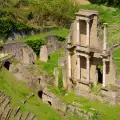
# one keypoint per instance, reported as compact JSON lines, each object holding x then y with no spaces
{"x":106,"y":111}
{"x":18,"y":91}
{"x":51,"y":64}
{"x":117,"y":59}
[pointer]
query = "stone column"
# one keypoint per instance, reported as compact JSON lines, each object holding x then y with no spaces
{"x":88,"y":33}
{"x":69,"y":65}
{"x":78,"y":68}
{"x":105,"y":37}
{"x":104,"y":73}
{"x":88,"y":69}
{"x":78,"y":32}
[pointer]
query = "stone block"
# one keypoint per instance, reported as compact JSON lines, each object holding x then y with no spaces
{"x":43,"y":53}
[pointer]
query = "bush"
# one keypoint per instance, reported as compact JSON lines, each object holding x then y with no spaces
{"x":8,"y":25}
{"x":36,"y":44}
{"x":113,"y":3}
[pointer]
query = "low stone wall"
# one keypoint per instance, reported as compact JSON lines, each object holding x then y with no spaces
{"x":8,"y":113}
{"x":73,"y":108}
{"x":105,"y":96}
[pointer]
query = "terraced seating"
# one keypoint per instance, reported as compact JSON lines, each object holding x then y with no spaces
{"x":8,"y":113}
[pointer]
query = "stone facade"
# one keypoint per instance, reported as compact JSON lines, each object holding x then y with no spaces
{"x":86,"y":53}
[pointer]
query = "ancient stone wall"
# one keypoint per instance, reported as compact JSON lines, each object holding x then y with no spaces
{"x":53,"y":44}
{"x":21,"y":51}
{"x":73,"y":108}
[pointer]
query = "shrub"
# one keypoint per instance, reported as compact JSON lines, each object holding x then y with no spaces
{"x":36,"y":44}
{"x":8,"y":25}
{"x":114,"y":3}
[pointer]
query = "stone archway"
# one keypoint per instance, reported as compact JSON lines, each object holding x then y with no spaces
{"x":40,"y":93}
{"x":49,"y":103}
{"x":7,"y":65}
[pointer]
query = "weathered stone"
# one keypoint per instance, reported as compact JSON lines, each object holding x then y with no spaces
{"x":70,"y":109}
{"x":43,"y":53}
{"x":23,"y":101}
{"x":16,"y":111}
{"x":56,"y":75}
{"x":18,"y":117}
{"x":30,"y":95}
{"x":28,"y":55}
{"x":25,"y":116}
{"x":31,"y":116}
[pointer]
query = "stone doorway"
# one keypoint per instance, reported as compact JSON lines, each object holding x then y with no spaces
{"x":49,"y":103}
{"x":7,"y":65}
{"x":40,"y":93}
{"x":99,"y":74}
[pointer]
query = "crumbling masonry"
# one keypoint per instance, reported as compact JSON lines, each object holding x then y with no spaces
{"x":85,"y":52}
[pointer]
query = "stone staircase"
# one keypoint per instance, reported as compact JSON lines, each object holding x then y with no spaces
{"x":8,"y":113}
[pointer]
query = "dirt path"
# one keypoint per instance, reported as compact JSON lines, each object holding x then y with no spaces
{"x":84,"y":2}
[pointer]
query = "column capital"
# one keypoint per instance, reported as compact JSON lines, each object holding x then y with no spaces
{"x":88,"y":20}
{"x":104,"y":60}
{"x":88,"y":57}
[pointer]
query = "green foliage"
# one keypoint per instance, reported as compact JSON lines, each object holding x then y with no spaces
{"x":114,"y":3}
{"x":1,"y":43}
{"x":35,"y":44}
{"x":60,"y":80}
{"x":20,"y":92}
{"x":51,"y":64}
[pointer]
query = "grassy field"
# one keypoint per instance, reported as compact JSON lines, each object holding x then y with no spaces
{"x":106,"y":111}
{"x":18,"y":91}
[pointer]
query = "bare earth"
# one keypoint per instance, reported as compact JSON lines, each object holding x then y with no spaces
{"x":84,"y":2}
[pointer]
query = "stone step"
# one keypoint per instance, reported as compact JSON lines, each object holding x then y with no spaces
{"x":31,"y":116}
{"x":5,"y":113}
{"x":6,"y":102}
{"x":2,"y":98}
{"x":1,"y":93}
{"x":9,"y":115}
{"x":16,"y":111}
{"x":18,"y":117}
{"x":25,"y":116}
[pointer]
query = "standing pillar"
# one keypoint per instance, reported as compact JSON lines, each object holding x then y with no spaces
{"x":69,"y":65}
{"x":88,"y":69}
{"x":78,"y":68}
{"x":104,"y":73}
{"x":88,"y":33}
{"x":78,"y":32}
{"x":105,"y":37}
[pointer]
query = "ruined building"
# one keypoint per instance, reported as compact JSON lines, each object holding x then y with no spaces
{"x":86,"y":54}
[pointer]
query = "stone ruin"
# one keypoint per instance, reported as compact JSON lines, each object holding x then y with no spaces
{"x":21,"y":51}
{"x":85,"y":52}
{"x":8,"y":113}
{"x":43,"y":53}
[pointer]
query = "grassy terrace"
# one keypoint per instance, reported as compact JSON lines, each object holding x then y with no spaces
{"x":52,"y":62}
{"x":107,"y":112}
{"x":18,"y":91}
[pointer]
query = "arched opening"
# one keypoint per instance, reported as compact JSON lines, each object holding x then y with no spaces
{"x":99,"y":72}
{"x":49,"y":103}
{"x":40,"y":93}
{"x":7,"y":65}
